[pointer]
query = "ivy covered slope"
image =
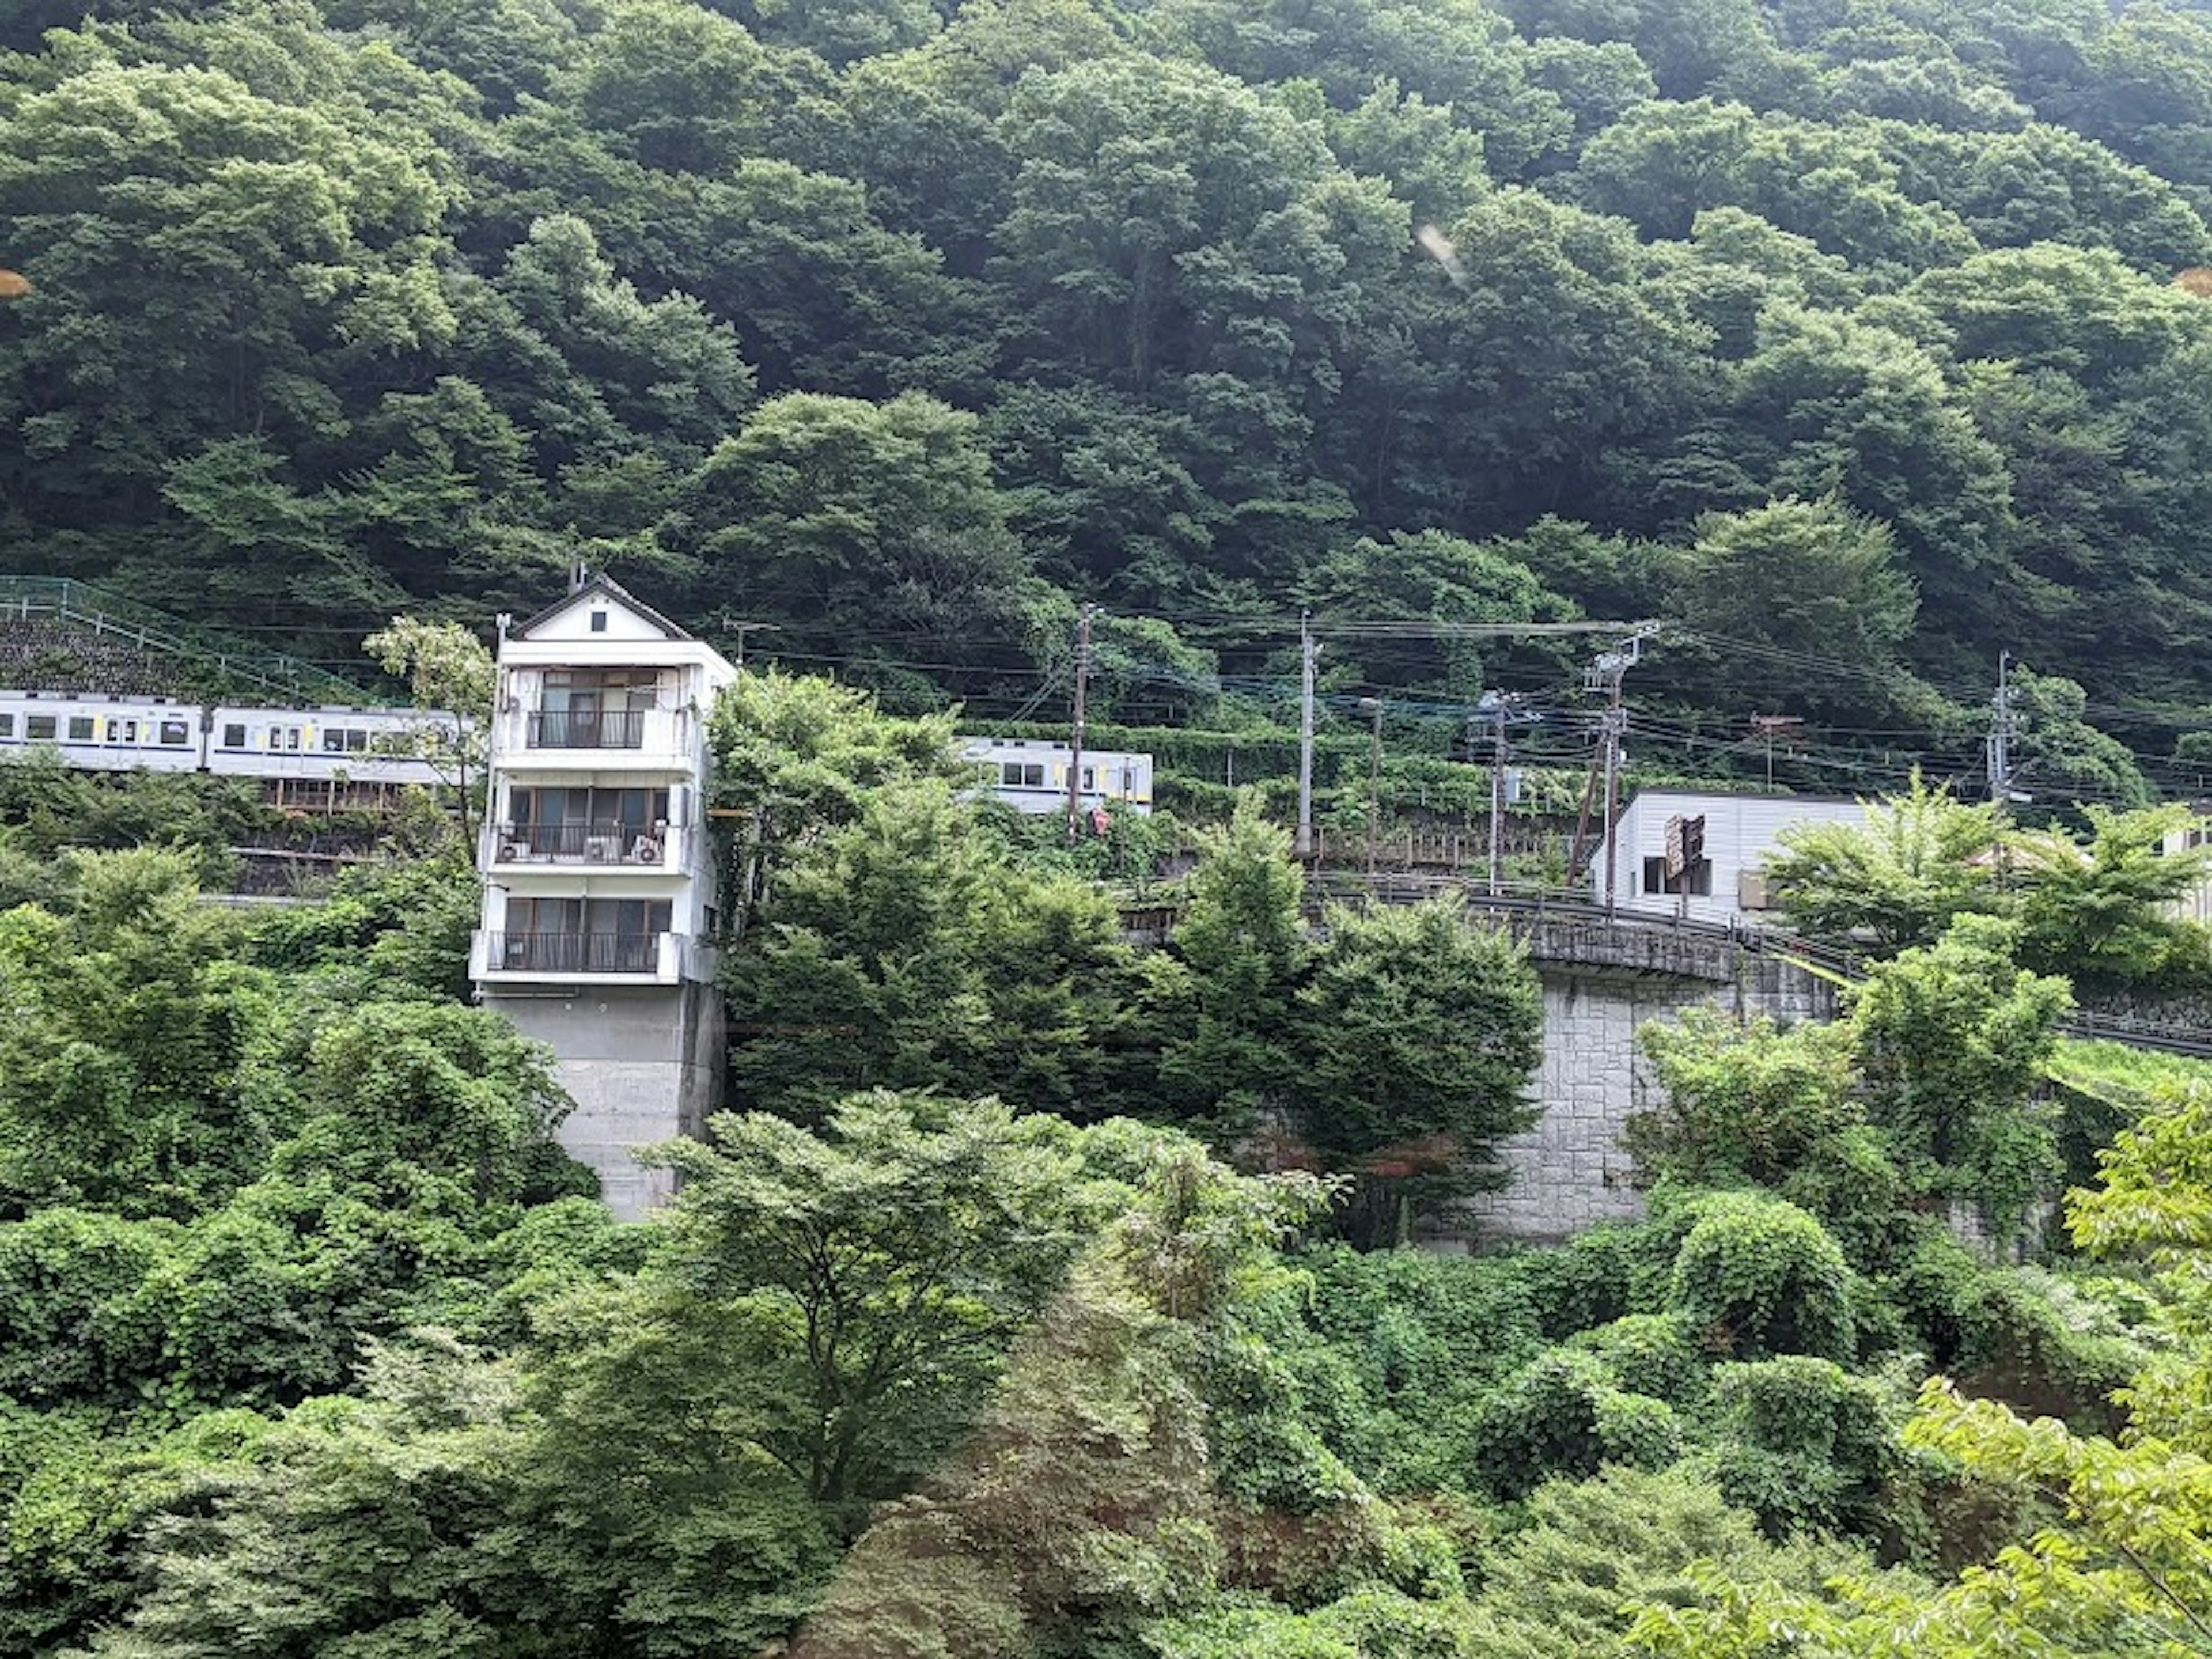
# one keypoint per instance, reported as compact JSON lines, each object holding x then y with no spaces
{"x":1850,"y":332}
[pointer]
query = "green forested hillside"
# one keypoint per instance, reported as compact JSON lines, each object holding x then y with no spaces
{"x":905,"y":325}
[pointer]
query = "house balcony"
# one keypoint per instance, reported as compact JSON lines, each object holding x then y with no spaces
{"x":606,"y":845}
{"x":598,"y":741}
{"x":585,"y":958}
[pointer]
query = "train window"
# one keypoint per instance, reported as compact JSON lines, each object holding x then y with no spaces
{"x":1021,"y":774}
{"x":122,"y":731}
{"x":175,"y":731}
{"x":345,"y":740}
{"x":39,"y":728}
{"x":7,"y":726}
{"x":233,"y":736}
{"x":80,"y":728}
{"x":1087,"y":783}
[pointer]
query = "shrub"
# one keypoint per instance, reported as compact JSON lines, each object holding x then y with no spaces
{"x":1803,"y":1443}
{"x":1757,"y":1276}
{"x":1563,"y":1414}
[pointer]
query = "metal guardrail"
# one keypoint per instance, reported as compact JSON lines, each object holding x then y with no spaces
{"x":575,"y":953}
{"x":614,"y":728}
{"x":109,"y":616}
{"x":1755,"y":938}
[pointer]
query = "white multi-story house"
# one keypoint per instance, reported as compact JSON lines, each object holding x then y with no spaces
{"x":1701,"y":855}
{"x":599,"y":881}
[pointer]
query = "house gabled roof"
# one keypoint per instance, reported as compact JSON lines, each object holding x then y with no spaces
{"x":599,"y":587}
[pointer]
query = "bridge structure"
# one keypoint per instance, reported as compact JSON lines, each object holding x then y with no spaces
{"x":1605,"y":974}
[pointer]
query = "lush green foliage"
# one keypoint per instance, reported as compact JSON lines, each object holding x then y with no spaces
{"x":1849,"y":340}
{"x":2097,"y":908}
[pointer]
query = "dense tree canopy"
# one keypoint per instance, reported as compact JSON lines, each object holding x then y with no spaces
{"x":1852,"y":341}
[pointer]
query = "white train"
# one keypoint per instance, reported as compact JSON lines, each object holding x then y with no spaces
{"x":386,"y":746}
{"x":1031,"y":775}
{"x":163,"y":734}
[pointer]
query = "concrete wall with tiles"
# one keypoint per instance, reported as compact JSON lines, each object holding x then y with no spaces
{"x":1571,"y":1170}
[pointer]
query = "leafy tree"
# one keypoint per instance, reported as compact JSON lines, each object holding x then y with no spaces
{"x":1920,"y":859}
{"x":122,"y":1053}
{"x":1791,"y":581}
{"x":911,"y":950}
{"x":797,"y":757}
{"x":1748,"y":1103}
{"x":1953,"y":1039}
{"x":1418,"y":1034}
{"x":2102,"y":911}
{"x":845,"y":519}
{"x":452,"y":676}
{"x":886,"y":1263}
{"x":1241,"y":943}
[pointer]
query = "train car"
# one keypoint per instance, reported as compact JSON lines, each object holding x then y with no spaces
{"x":360,"y":745}
{"x":104,"y":734}
{"x":334,"y":745}
{"x":1031,"y":775}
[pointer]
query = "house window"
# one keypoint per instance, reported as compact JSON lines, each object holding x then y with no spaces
{"x":80,"y":728}
{"x":233,"y":737}
{"x":1696,"y":879}
{"x":39,"y":728}
{"x":599,"y":621}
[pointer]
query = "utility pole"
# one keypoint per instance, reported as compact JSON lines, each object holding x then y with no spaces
{"x":738,"y":660}
{"x":1308,"y":651}
{"x":1496,"y":701}
{"x":1075,"y":745}
{"x":1765,"y":725}
{"x":2001,"y":736}
{"x":1374,"y":706}
{"x":1606,"y":674}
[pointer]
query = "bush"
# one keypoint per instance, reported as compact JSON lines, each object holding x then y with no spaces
{"x":2015,"y":1334}
{"x":1563,"y":1413}
{"x":1803,"y":1443}
{"x":1654,"y":1353}
{"x":1757,"y":1277}
{"x":1599,"y":1276}
{"x":1753,"y":1101}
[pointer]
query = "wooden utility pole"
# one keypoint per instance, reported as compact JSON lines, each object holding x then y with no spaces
{"x":1308,"y":651}
{"x":1075,"y":743}
{"x":1497,"y":700}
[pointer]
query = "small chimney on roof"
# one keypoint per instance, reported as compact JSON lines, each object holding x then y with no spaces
{"x":579,"y":574}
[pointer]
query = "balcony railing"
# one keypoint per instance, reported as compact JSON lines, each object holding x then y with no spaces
{"x":577,"y":728}
{"x":600,"y":842}
{"x":574,"y":953}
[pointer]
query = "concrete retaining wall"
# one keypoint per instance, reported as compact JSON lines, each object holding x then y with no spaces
{"x":1570,"y":1171}
{"x":644,"y":1065}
